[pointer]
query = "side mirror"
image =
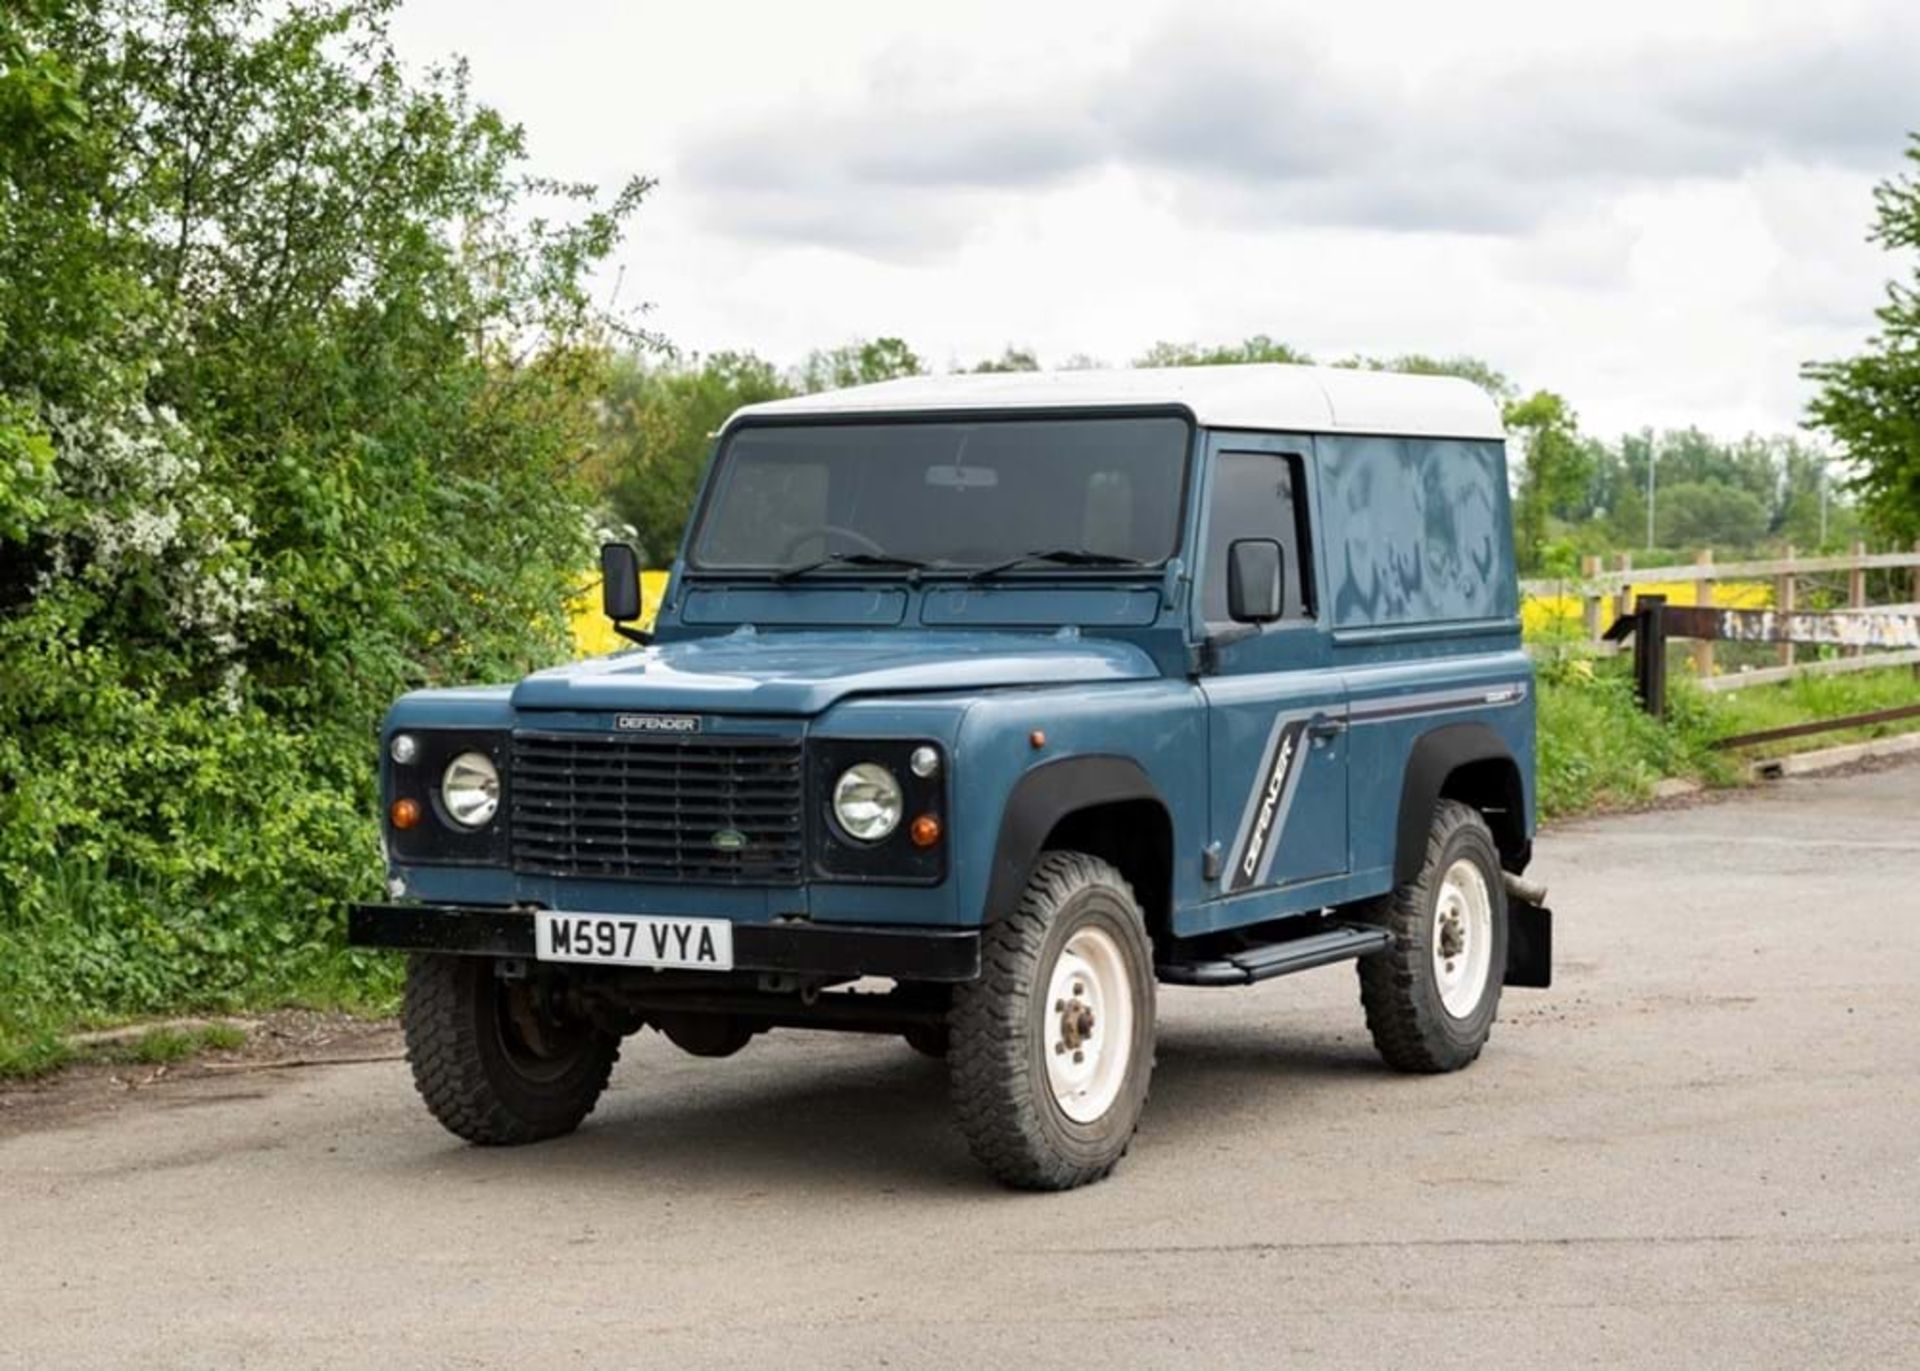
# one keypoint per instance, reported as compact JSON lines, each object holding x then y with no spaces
{"x":1256,"y":581}
{"x":619,"y":582}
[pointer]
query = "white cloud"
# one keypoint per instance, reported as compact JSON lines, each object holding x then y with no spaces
{"x":1269,"y":124}
{"x":1655,"y":208}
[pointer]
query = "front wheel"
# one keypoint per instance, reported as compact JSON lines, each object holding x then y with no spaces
{"x":1051,"y":1049}
{"x":1432,"y":996}
{"x":498,"y":1062}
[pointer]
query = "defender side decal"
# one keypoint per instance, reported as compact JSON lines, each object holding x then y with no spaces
{"x":1265,"y":815}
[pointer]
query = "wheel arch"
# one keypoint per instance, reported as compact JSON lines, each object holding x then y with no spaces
{"x":1105,"y":806}
{"x":1471,"y":763}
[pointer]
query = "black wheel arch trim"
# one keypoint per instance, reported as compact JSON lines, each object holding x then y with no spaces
{"x":1436,"y":755}
{"x":1041,"y":798}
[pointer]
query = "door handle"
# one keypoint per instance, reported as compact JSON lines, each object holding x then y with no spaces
{"x":1325,"y":726}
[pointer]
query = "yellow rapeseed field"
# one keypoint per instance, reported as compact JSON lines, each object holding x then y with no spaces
{"x":593,"y":634}
{"x":1543,"y":614}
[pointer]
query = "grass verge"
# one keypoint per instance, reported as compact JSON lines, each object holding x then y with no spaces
{"x":1598,"y":751}
{"x":34,"y":1044}
{"x":156,"y":1047}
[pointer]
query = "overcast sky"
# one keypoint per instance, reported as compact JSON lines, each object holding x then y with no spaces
{"x":1658,"y":209}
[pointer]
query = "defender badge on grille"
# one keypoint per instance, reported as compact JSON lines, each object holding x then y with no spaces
{"x":656,"y":723}
{"x":729,"y":840}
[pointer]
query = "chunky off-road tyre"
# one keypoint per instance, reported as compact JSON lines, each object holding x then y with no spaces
{"x":1431,"y":998}
{"x":495,"y":1064}
{"x":1051,"y":1049}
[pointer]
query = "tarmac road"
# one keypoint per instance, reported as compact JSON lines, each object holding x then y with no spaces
{"x":1701,"y":1148}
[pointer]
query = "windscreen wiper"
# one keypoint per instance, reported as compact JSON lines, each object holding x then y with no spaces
{"x":886,"y":559}
{"x":1059,"y":556}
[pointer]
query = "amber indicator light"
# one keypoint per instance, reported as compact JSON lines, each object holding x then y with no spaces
{"x":925,"y":831}
{"x":405,"y":813}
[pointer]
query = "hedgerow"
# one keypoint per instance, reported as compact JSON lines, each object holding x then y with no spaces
{"x":297,"y":372}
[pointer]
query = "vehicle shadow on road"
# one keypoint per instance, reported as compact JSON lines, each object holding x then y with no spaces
{"x":874,"y":1119}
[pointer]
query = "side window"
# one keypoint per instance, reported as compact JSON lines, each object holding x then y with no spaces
{"x":1255,"y":495}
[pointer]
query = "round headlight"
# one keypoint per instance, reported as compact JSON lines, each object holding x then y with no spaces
{"x":470,"y":790}
{"x":866,"y":801}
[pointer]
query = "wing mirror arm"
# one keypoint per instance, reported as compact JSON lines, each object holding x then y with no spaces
{"x":620,"y":590}
{"x":1207,"y":657}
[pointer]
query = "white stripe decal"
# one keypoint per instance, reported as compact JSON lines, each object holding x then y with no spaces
{"x":1265,"y":815}
{"x":1296,"y":768}
{"x":1409,"y":706}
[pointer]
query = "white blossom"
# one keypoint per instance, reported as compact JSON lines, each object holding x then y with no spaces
{"x":141,"y":475}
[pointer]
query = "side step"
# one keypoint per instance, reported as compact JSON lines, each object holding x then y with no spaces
{"x":1342,"y":942}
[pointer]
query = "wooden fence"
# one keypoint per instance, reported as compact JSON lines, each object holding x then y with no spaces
{"x":1798,"y":585}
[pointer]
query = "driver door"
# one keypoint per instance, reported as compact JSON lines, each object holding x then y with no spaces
{"x":1276,"y":708}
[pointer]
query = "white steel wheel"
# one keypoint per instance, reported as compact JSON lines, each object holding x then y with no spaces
{"x":1433,"y":993}
{"x":1462,"y":942}
{"x":1088,"y":1025}
{"x":1051,"y":1046}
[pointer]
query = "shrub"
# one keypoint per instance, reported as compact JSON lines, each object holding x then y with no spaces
{"x":297,"y":375}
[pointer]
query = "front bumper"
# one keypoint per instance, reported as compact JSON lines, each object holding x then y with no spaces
{"x":839,"y":950}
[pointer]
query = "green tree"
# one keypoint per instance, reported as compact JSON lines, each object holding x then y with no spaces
{"x":1258,"y":348}
{"x":1483,"y":374}
{"x":297,"y":375}
{"x":1622,"y":523}
{"x":858,"y":363}
{"x":658,"y":423}
{"x":1781,"y":472}
{"x":1870,"y":403}
{"x":1554,"y":471}
{"x":1013,"y":359}
{"x":1695,"y":514}
{"x":1815,"y":508}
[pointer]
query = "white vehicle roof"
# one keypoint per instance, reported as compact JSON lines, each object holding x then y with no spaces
{"x":1261,"y":396}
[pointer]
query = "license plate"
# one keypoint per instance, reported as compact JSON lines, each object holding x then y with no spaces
{"x":633,"y":940}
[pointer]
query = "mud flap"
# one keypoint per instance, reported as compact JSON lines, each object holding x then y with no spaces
{"x":1529,"y":945}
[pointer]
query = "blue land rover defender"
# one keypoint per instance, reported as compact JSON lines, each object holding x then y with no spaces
{"x":1007,"y":697}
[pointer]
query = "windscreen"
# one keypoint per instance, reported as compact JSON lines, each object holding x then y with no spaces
{"x":946,"y":494}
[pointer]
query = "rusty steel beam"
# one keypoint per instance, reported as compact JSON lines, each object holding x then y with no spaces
{"x":1774,"y":735}
{"x":1852,"y":628}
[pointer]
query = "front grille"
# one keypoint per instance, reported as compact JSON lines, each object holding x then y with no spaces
{"x":716,"y":811}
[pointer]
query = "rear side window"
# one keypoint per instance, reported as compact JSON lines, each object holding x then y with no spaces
{"x":1255,"y":495}
{"x":1417,"y":531}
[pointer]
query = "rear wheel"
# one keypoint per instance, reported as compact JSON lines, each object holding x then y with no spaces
{"x":1431,"y":998}
{"x":499,"y":1062}
{"x":1052,"y":1047}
